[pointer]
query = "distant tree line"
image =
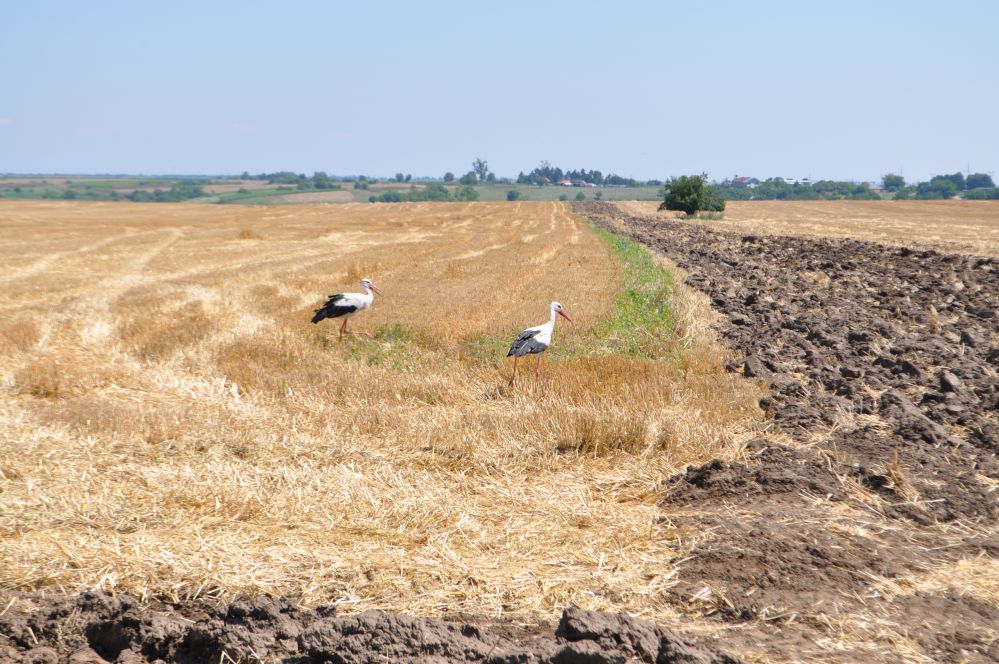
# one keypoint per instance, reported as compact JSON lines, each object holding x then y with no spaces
{"x":778,"y":189}
{"x":319,"y":180}
{"x":74,"y":194}
{"x":472,"y":178}
{"x":975,"y":186}
{"x":546,"y":174}
{"x":431,"y":192}
{"x":982,"y":194}
{"x":182,"y":191}
{"x":543,"y":175}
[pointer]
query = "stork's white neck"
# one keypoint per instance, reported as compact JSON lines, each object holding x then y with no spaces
{"x":366,"y":298}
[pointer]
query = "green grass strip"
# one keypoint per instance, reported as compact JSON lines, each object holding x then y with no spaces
{"x":642,"y":324}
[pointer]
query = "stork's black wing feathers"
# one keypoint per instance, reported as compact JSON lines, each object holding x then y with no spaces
{"x":332,"y":309}
{"x":526,"y":344}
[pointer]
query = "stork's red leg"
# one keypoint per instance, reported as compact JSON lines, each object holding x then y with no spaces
{"x":513,"y":379}
{"x":344,"y":330}
{"x":537,"y":370}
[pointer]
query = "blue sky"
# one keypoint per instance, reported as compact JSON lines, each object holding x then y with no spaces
{"x":847,"y":90}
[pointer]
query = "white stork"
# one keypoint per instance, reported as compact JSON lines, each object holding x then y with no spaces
{"x":535,"y":341}
{"x":345,"y":305}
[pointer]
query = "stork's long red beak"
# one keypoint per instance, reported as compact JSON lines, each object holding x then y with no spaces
{"x":564,"y":315}
{"x":376,"y":289}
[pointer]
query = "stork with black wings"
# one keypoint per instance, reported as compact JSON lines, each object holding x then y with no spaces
{"x":345,"y":305}
{"x":535,"y":341}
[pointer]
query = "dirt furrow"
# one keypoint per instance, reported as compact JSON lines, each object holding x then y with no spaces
{"x":96,"y":628}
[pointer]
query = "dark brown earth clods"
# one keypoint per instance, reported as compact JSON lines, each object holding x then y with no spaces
{"x":776,"y":469}
{"x":890,"y":347}
{"x":882,"y":364}
{"x":96,"y":628}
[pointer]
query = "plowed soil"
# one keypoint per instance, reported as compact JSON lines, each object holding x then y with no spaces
{"x":875,"y":497}
{"x":96,"y":628}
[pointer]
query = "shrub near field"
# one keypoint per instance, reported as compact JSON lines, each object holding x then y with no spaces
{"x":174,"y":425}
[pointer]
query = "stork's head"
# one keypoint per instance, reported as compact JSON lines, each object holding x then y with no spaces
{"x":560,"y":310}
{"x":367,"y":285}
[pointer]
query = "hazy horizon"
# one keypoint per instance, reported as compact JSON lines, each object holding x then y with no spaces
{"x":644,"y":90}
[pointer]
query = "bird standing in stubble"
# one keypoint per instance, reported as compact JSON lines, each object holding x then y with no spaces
{"x":345,"y":305}
{"x":535,"y":341}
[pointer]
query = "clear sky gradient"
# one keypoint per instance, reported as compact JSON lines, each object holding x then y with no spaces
{"x":842,"y":90}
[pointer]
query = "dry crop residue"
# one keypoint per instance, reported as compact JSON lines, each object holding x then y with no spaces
{"x":864,"y":525}
{"x":175,"y":428}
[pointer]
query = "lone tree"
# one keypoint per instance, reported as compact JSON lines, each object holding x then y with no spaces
{"x":481,"y":168}
{"x":690,"y":194}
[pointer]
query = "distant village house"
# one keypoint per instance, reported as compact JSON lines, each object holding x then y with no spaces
{"x":745,"y":181}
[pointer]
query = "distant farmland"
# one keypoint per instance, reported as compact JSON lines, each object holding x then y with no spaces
{"x":261,"y":192}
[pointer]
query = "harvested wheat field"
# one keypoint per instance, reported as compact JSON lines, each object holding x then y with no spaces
{"x":962,"y":226}
{"x":175,"y":428}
